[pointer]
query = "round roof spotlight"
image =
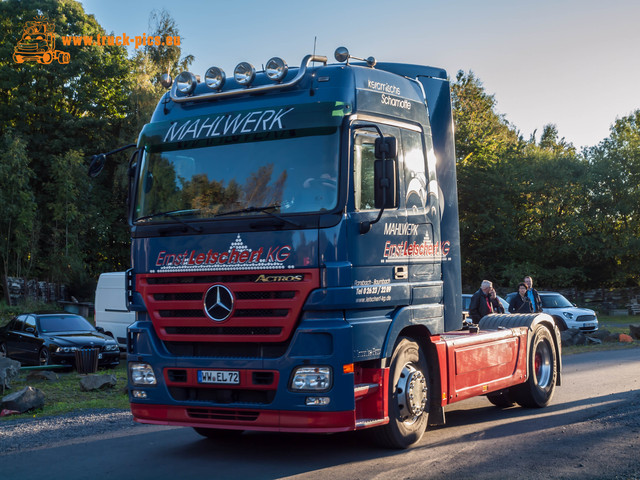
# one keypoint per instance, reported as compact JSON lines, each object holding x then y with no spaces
{"x":244,"y":73}
{"x":186,"y":83}
{"x":214,"y":78}
{"x":371,"y":61}
{"x":341,"y":54}
{"x":276,"y":69}
{"x":165,"y":80}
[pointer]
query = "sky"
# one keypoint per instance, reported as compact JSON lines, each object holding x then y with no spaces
{"x":573,"y":63}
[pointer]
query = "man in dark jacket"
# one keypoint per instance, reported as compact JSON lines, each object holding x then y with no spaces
{"x":532,"y":293}
{"x":480,"y":304}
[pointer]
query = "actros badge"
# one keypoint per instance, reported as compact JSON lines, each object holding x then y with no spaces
{"x":218,"y":303}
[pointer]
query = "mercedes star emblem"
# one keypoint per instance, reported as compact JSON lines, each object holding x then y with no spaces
{"x":218,"y":303}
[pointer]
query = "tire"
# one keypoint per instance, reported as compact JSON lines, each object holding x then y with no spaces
{"x":43,"y":356}
{"x":408,"y":397}
{"x":537,"y":391}
{"x":501,"y":398}
{"x":217,"y":433}
{"x":46,"y":58}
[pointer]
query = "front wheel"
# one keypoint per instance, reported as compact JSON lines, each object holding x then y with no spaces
{"x":408,"y":396}
{"x":43,"y":356}
{"x":537,"y":391}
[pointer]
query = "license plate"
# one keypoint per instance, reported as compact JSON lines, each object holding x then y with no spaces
{"x":589,"y":324}
{"x":219,"y":376}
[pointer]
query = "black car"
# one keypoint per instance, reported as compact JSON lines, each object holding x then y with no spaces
{"x":53,"y":338}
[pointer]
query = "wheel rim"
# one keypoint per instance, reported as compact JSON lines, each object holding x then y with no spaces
{"x":411,"y":394}
{"x":543,"y":364}
{"x":44,"y":356}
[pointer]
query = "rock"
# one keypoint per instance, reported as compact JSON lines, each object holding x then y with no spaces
{"x":97,"y":382}
{"x":634,"y":331}
{"x":26,"y":399}
{"x":573,"y":336}
{"x":593,"y":340}
{"x":42,"y":375}
{"x":624,"y":338}
{"x":9,"y":369}
{"x":602,"y":334}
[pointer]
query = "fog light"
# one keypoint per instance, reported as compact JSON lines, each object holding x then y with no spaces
{"x":142,"y":374}
{"x":214,"y":78}
{"x":139,"y":394}
{"x":186,"y":83}
{"x":311,"y":378}
{"x":276,"y":69}
{"x":317,"y":401}
{"x":244,"y":73}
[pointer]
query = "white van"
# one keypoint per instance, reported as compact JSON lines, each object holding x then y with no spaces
{"x":111,"y":307}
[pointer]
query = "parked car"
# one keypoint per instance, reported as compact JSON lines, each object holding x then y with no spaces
{"x":53,"y":338}
{"x":566,"y":314}
{"x":466,"y":300}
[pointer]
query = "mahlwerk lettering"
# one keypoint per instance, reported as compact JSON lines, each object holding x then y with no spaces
{"x":229,"y":124}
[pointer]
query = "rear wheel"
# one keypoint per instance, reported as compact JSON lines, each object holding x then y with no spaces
{"x":408,"y":396}
{"x":217,"y":433}
{"x":537,"y":391}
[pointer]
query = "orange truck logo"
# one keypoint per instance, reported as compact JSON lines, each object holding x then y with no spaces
{"x":38,"y":44}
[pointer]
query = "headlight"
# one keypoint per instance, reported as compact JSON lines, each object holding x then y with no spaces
{"x":111,"y":348}
{"x":311,"y":379}
{"x":142,"y":374}
{"x":67,"y":349}
{"x":568,"y":315}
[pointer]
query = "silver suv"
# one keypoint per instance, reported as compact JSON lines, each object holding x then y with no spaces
{"x":567,"y":314}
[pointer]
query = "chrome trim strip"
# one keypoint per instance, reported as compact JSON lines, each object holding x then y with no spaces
{"x":264,"y":88}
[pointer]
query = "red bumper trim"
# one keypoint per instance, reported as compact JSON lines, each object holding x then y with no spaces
{"x":267,"y":420}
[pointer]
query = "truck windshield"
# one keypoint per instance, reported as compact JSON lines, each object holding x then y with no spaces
{"x":293,"y":175}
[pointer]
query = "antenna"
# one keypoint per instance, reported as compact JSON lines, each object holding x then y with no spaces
{"x":315,"y":41}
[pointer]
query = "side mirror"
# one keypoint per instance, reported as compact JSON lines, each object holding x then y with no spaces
{"x":385,"y":182}
{"x":100,"y":329}
{"x":386,"y":147}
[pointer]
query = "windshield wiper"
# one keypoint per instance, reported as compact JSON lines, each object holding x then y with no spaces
{"x":264,"y":209}
{"x":173,"y":215}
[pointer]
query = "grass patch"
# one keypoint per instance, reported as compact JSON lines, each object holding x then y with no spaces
{"x":618,"y":323}
{"x":65,"y":395}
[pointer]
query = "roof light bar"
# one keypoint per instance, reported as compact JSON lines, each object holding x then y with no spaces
{"x":186,"y":83}
{"x":244,"y":73}
{"x":276,"y":69}
{"x":215,"y":78}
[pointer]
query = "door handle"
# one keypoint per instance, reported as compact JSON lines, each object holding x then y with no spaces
{"x":400,"y":273}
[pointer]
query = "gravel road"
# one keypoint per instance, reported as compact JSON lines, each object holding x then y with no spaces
{"x":25,"y":434}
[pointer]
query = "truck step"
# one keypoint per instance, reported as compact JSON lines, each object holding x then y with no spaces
{"x":371,"y":422}
{"x":364,"y":389}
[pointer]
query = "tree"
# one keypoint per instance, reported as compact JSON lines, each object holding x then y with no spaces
{"x":18,"y":207}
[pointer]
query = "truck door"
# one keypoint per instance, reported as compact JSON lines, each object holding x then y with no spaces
{"x":380,"y":268}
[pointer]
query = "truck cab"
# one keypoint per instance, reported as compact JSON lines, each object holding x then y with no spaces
{"x":295,"y":253}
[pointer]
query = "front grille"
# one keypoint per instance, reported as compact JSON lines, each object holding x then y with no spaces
{"x":222,"y":395}
{"x":223,"y":330}
{"x":586,"y":318}
{"x":263,"y":311}
{"x":246,"y":350}
{"x":220,"y":414}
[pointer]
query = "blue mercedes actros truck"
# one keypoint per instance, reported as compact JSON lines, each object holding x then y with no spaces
{"x":296,"y":258}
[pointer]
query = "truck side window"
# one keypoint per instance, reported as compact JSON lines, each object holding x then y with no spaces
{"x":414,"y":171}
{"x":363,"y":158}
